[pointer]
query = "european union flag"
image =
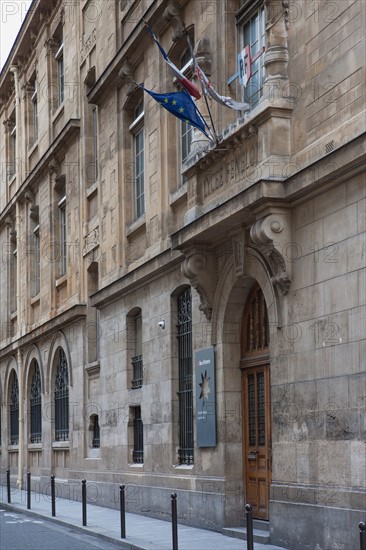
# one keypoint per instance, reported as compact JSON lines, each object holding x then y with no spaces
{"x":182,"y":106}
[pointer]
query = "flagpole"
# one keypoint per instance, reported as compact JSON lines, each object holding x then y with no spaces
{"x":203,"y":92}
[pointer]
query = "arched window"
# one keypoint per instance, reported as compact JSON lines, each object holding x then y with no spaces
{"x":255,"y":325}
{"x":185,"y":393}
{"x":61,"y":398}
{"x":95,"y":428}
{"x":36,"y":406}
{"x":14,"y":409}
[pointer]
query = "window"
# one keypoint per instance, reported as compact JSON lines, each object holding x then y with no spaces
{"x":137,"y":129}
{"x":14,"y":409}
{"x":136,"y":360}
{"x":12,"y":148}
{"x":61,"y":398}
{"x":37,"y":260}
{"x":59,"y":57}
{"x":94,"y":419}
{"x":138,"y":437}
{"x":185,"y":393}
{"x":36,"y":406}
{"x":253,"y":35}
{"x":95,"y":143}
{"x":13,"y":271}
{"x":34,"y":106}
{"x":63,"y":233}
{"x":186,"y":130}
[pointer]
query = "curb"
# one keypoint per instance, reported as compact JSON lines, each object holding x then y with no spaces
{"x":85,"y":530}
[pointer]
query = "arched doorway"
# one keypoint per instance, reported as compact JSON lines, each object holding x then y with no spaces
{"x":256,"y":403}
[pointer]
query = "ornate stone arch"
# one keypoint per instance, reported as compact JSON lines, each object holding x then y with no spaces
{"x":229,"y":282}
{"x":33,"y":353}
{"x":59,"y":340}
{"x":12,"y":364}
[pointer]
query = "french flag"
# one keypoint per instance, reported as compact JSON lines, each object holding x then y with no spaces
{"x":187,"y":84}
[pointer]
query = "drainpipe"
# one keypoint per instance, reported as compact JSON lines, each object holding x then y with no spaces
{"x":18,"y":121}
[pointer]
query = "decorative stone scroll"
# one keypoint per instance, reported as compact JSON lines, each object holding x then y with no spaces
{"x":199,"y":267}
{"x":271,"y":236}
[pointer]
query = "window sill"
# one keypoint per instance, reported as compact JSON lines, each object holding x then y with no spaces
{"x":13,"y":316}
{"x":61,"y":281}
{"x":132,"y":465}
{"x":178,"y":196}
{"x":32,"y":149}
{"x":35,"y":300}
{"x":12,"y":179}
{"x":60,"y":445}
{"x":13,"y":448}
{"x":92,"y":368}
{"x":91,"y":189}
{"x":183,"y":467}
{"x":34,"y":446}
{"x":136,"y":226}
{"x":93,"y":454}
{"x":57,"y":113}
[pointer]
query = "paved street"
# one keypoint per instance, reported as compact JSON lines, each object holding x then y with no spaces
{"x":21,"y":531}
{"x":102,"y":531}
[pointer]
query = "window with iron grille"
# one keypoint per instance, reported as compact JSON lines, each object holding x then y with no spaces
{"x":61,"y":398}
{"x":36,"y":407}
{"x":14,"y":410}
{"x":185,"y":393}
{"x":137,"y":364}
{"x":96,"y":431}
{"x":138,"y":437}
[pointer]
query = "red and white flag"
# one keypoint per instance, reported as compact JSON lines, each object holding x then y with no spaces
{"x":210,"y":90}
{"x":187,"y":84}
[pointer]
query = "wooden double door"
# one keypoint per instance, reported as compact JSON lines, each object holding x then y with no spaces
{"x":256,"y":393}
{"x":257,"y":438}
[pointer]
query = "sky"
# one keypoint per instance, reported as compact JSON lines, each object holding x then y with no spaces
{"x":12,"y":14}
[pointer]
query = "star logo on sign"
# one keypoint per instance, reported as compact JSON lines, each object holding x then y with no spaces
{"x":205,"y":387}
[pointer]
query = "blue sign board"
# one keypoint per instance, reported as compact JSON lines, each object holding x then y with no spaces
{"x":204,"y":360}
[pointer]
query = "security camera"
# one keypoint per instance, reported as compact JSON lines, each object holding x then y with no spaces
{"x":162,"y":324}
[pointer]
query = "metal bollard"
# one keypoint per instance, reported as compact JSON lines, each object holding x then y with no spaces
{"x":28,"y":490}
{"x":83,"y":498}
{"x":53,"y":496}
{"x":8,"y":485}
{"x":174,"y":521}
{"x":122,"y":510}
{"x":249,"y":518}
{"x":362,"y":526}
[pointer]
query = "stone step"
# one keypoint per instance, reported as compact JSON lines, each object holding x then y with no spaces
{"x":259,"y":535}
{"x":261,"y":524}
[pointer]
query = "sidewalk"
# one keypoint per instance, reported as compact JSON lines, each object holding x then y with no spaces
{"x":143,"y":533}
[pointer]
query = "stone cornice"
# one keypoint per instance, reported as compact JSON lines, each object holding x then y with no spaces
{"x":147,"y":272}
{"x":312,"y":180}
{"x":52,"y":325}
{"x":138,"y":41}
{"x":59,"y":144}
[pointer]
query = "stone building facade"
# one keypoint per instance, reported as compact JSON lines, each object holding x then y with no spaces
{"x":129,"y":242}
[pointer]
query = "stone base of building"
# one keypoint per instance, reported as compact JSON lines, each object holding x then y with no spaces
{"x":310,"y":527}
